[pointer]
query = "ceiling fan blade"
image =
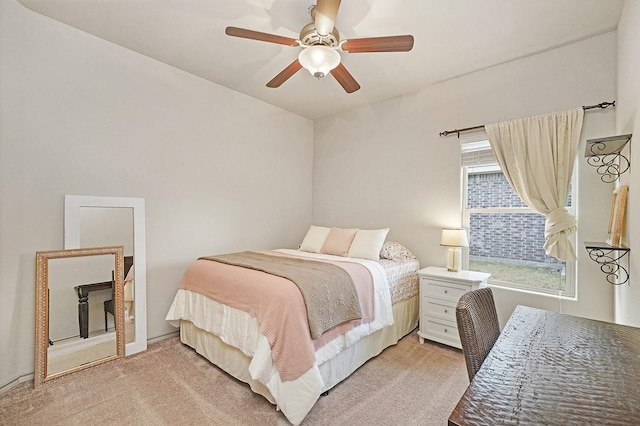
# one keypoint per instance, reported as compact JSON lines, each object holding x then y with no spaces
{"x":402,"y":43}
{"x":257,"y":35}
{"x":325,"y":16}
{"x":285,"y":74}
{"x":346,"y":80}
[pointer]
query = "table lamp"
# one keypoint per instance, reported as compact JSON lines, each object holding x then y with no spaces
{"x":454,"y":239}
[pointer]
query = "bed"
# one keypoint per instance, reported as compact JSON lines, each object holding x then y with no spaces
{"x":291,"y":362}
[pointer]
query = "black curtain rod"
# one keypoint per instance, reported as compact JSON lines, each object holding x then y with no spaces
{"x":601,"y":105}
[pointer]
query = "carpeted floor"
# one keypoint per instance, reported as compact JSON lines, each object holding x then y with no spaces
{"x":169,"y":384}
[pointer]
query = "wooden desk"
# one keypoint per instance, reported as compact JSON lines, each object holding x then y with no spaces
{"x":83,"y":291}
{"x":548,"y":368}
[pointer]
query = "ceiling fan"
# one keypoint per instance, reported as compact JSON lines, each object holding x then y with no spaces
{"x":320,"y":42}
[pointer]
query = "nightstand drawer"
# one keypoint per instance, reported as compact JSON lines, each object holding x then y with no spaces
{"x":439,"y":310}
{"x":449,"y":292}
{"x":440,"y":331}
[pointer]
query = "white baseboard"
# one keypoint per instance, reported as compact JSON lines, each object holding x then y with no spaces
{"x":29,"y":377}
{"x":15,"y":382}
{"x":163,"y":337}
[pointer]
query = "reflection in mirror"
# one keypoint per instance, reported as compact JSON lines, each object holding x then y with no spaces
{"x":73,"y":289}
{"x":105,"y":221}
{"x":113,"y":227}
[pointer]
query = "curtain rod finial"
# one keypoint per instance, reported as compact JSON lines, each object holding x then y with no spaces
{"x":450,"y":132}
{"x":601,"y":105}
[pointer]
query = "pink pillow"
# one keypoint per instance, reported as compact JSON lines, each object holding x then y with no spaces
{"x":338,"y":241}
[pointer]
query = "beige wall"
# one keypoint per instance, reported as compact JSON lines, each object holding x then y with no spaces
{"x":83,"y":116}
{"x":386,"y":166}
{"x":627,"y":297}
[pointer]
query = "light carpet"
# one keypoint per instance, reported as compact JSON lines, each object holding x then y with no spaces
{"x":169,"y":384}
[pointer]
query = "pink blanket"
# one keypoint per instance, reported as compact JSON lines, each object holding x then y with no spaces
{"x":278,"y":306}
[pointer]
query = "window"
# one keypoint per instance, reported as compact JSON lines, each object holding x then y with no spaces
{"x":506,"y":237}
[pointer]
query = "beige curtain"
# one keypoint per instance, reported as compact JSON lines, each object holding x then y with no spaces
{"x":536,"y":155}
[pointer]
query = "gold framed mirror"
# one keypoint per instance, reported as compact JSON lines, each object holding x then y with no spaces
{"x":75,"y":290}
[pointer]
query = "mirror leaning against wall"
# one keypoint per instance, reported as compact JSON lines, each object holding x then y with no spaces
{"x":65,"y":280}
{"x":93,"y":221}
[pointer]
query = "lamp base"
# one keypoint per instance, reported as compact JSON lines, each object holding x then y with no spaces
{"x":454,"y":259}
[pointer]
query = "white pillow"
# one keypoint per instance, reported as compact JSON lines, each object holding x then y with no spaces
{"x":368,"y":243}
{"x":314,"y":239}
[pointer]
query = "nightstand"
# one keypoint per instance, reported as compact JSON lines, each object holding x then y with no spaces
{"x":439,"y":294}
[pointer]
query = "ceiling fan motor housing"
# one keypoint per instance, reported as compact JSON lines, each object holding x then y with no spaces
{"x":310,"y":37}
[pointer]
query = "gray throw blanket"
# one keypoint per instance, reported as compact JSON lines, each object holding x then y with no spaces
{"x":328,"y":290}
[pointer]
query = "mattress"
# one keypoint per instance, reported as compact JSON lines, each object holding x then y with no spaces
{"x":402,"y":278}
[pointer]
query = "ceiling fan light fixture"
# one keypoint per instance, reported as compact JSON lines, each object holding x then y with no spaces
{"x":319,"y":60}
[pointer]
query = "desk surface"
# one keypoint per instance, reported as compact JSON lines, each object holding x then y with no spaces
{"x":88,"y":288}
{"x":551,"y":368}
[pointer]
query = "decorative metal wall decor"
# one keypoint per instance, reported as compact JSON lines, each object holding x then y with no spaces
{"x":605,"y":155}
{"x":608,"y":258}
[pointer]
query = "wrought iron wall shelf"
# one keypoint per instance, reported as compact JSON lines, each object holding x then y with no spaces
{"x":608,"y":257}
{"x":604,"y":154}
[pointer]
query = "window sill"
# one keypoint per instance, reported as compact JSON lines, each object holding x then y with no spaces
{"x":546,"y":294}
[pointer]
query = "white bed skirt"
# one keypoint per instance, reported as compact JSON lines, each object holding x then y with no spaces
{"x":333,"y":371}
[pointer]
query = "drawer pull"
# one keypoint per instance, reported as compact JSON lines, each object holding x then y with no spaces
{"x":445,"y":330}
{"x":446,"y":291}
{"x":446,"y":311}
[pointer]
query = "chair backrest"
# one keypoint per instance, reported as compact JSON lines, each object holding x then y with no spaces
{"x":128,"y":263}
{"x":113,"y":286}
{"x":478,"y":327}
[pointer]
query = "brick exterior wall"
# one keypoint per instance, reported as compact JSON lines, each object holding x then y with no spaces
{"x":506,"y":238}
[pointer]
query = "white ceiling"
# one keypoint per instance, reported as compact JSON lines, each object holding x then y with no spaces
{"x":452,"y":38}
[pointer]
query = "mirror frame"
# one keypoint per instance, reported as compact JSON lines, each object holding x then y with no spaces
{"x":42,"y":307}
{"x":72,"y":206}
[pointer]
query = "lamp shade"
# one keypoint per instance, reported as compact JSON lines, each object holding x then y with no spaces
{"x":454,"y":238}
{"x":319,"y":60}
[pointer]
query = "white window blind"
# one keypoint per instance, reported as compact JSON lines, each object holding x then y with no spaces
{"x":476,"y":150}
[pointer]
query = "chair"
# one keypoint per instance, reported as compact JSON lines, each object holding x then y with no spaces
{"x":478,"y":327}
{"x":109,"y":305}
